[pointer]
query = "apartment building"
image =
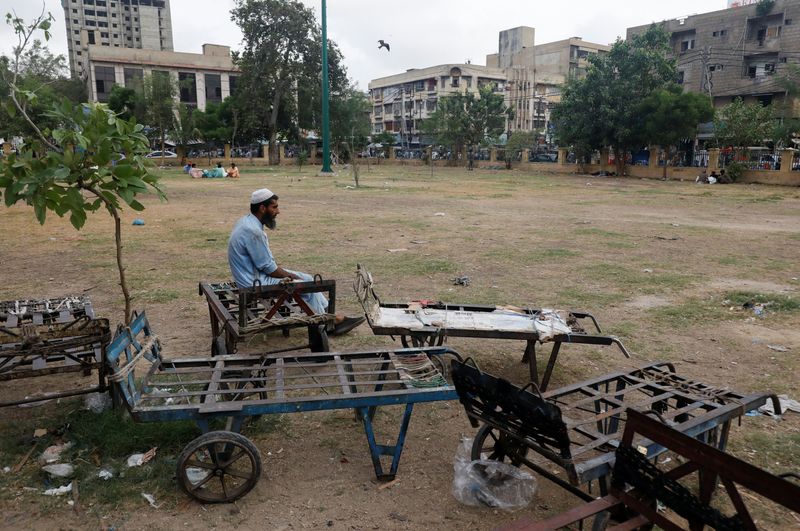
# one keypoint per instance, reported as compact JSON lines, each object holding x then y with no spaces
{"x":201,"y":78}
{"x":142,"y":24}
{"x":400,"y":102}
{"x":536,"y":73}
{"x":735,"y":52}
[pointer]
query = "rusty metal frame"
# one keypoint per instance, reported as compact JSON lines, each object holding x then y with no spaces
{"x":638,"y":482}
{"x":430,"y":336}
{"x":266,"y":308}
{"x":52,"y":337}
{"x":578,"y":427}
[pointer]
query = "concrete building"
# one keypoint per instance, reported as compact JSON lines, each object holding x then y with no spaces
{"x":144,"y":24}
{"x":400,"y":102}
{"x":201,"y":78}
{"x":535,"y":73}
{"x":735,"y":52}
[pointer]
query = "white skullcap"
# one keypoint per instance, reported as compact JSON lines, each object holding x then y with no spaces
{"x":259,"y":196}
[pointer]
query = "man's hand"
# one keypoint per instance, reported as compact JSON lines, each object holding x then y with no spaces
{"x":284,"y":275}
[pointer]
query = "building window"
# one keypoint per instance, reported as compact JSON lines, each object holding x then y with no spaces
{"x":419,"y":85}
{"x":116,"y":35}
{"x":104,"y":35}
{"x":715,"y":68}
{"x":88,"y":12}
{"x":78,"y":53}
{"x":232,"y":84}
{"x":134,"y":78}
{"x":213,"y":88}
{"x":75,"y":11}
{"x":102,"y":24}
{"x":787,"y":22}
{"x":687,"y":45}
{"x":90,"y":23}
{"x":187,"y":82}
{"x":101,"y":3}
{"x":102,"y":13}
{"x":91,"y":37}
{"x":681,"y":76}
{"x":103,"y":80}
{"x":113,"y":25}
{"x":77,"y":43}
{"x":720,"y":33}
{"x":75,"y":21}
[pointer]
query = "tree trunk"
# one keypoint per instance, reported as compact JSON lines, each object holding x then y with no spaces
{"x":118,"y":243}
{"x":273,"y":123}
{"x":619,"y":160}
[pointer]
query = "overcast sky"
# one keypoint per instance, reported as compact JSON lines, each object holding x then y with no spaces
{"x":421,"y":32}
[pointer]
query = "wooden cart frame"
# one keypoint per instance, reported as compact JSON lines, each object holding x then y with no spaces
{"x":237,"y":314}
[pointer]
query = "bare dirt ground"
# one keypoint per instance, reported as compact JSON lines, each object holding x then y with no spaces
{"x":659,"y":264}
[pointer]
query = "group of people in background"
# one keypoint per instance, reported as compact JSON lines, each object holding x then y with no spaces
{"x":214,"y":173}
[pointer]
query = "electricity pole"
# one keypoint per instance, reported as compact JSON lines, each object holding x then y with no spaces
{"x":326,"y":133}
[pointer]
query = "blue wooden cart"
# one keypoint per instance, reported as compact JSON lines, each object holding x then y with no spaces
{"x":223,"y":465}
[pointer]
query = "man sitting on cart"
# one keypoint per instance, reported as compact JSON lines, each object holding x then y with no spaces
{"x":251,"y":260}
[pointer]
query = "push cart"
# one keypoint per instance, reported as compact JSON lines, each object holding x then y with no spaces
{"x":223,"y":465}
{"x":237,"y":314}
{"x":429,"y":323}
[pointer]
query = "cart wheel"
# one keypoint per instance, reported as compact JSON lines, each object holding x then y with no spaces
{"x":218,"y":347}
{"x":318,"y":338}
{"x":219,"y":467}
{"x":246,"y":387}
{"x":442,"y":362}
{"x":497,"y":446}
{"x":422,"y":341}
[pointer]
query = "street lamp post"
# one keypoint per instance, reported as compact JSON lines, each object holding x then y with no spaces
{"x":326,"y":134}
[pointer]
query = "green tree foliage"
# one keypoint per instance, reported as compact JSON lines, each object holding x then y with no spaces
{"x":787,"y":123}
{"x":282,"y":50}
{"x":126,"y":102}
{"x":740,"y":124}
{"x":385,"y":139}
{"x":670,"y":115}
{"x":519,"y":140}
{"x":350,"y":126}
{"x":184,"y":131}
{"x":467,"y":119}
{"x":603,"y":109}
{"x":90,"y":159}
{"x":159,"y":102}
{"x":213,"y":126}
{"x":41,"y":77}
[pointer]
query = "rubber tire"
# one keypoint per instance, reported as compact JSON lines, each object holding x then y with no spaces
{"x":478,"y":444}
{"x":226,"y":437}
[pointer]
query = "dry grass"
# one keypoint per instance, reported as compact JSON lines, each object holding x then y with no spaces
{"x":664,"y":265}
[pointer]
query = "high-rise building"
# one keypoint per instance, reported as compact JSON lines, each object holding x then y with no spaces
{"x":144,"y":24}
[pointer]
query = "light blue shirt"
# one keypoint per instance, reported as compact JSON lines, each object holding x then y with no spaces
{"x":250,"y":259}
{"x":249,"y":256}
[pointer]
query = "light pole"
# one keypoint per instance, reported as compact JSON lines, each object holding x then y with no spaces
{"x":326,"y":133}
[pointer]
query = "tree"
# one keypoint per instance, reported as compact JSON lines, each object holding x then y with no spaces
{"x":211,"y":127}
{"x":75,"y":167}
{"x":519,"y":140}
{"x":787,"y":124}
{"x":669,"y":115}
{"x":602,"y":109}
{"x":466,"y":119}
{"x":350,"y":126}
{"x":386,"y":139}
{"x":740,"y":124}
{"x":159,"y":100}
{"x":38,"y":75}
{"x":281,"y":50}
{"x":183,"y":131}
{"x":125,"y":102}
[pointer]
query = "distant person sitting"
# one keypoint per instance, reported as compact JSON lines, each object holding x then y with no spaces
{"x":195,"y":172}
{"x":723,"y":178}
{"x":215,"y":173}
{"x":233,"y":172}
{"x":188,"y":167}
{"x":702,"y":178}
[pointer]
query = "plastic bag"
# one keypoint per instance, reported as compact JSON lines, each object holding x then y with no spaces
{"x":490,"y":483}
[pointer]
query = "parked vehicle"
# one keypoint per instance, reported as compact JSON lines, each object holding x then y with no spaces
{"x":161,"y":154}
{"x":544,"y":157}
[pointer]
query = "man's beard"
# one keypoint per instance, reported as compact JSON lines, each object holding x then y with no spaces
{"x":269,"y":222}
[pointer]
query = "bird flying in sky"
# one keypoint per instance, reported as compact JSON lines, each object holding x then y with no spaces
{"x":382,"y":44}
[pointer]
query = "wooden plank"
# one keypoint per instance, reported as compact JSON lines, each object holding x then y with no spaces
{"x":279,"y":382}
{"x":343,"y":376}
{"x":210,"y":395}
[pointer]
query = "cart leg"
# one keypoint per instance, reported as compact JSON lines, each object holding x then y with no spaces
{"x":551,"y":363}
{"x":530,"y":356}
{"x":378,"y":450}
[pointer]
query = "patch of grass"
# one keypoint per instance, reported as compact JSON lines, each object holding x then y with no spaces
{"x":773,"y":301}
{"x":591,"y":231}
{"x":693,"y":311}
{"x":618,"y":275}
{"x":557,"y":253}
{"x":731,"y":260}
{"x":582,"y":300}
{"x":778,"y":452}
{"x":772,"y":198}
{"x":158,"y":295}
